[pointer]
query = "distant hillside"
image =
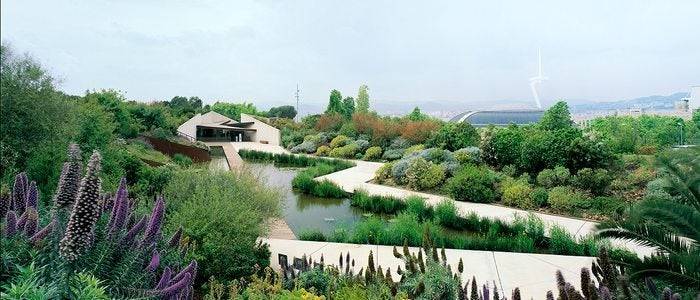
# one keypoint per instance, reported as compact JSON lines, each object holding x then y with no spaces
{"x":654,"y":102}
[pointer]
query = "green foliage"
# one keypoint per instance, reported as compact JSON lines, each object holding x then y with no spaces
{"x":540,"y":197}
{"x":95,"y":128}
{"x":363,"y":99}
{"x":424,"y":175}
{"x":502,"y":146}
{"x":373,"y":153}
{"x":473,"y":184}
{"x":284,"y":111}
{"x":347,"y":151}
{"x":340,"y":141}
{"x":323,"y":150}
{"x":234,"y":110}
{"x":560,"y":241}
{"x":447,"y":214}
{"x":235,"y":201}
{"x":671,"y":227}
{"x":550,"y":178}
{"x":453,"y":136}
{"x":335,"y":103}
{"x":413,"y":149}
{"x":182,"y":160}
{"x":348,"y":107}
{"x":312,"y":235}
{"x":416,"y":115}
{"x":594,"y":181}
{"x":565,"y":198}
{"x":518,"y":193}
{"x":630,"y":134}
{"x":383,"y":173}
{"x":556,"y":117}
{"x":112,"y":102}
{"x":377,"y":204}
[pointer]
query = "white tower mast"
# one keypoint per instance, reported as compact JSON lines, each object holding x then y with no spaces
{"x":537,"y":80}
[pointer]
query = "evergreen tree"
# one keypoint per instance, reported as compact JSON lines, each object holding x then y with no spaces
{"x":556,"y":117}
{"x":348,"y":106}
{"x":363,"y":99}
{"x":335,"y":103}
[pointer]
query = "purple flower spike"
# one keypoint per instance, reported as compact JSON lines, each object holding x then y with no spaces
{"x":10,"y":224}
{"x":32,"y":195}
{"x":43,"y":233}
{"x":190,"y":269}
{"x":32,"y":221}
{"x":176,"y":287}
{"x":155,"y":261}
{"x":21,"y":221}
{"x":175,"y":239}
{"x":153,"y":228}
{"x":164,"y":279}
{"x":131,"y":234}
{"x":19,"y":193}
{"x":119,"y":209}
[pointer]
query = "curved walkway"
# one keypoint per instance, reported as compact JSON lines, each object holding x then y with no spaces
{"x":534,"y":274}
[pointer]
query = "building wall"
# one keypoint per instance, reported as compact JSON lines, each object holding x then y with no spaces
{"x":188,"y":129}
{"x":264,"y":132}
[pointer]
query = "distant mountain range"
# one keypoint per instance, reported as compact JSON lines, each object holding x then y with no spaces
{"x":447,"y":109}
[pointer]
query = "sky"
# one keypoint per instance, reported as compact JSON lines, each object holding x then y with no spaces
{"x":452,"y":51}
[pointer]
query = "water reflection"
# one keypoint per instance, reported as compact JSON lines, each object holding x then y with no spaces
{"x":218,"y":159}
{"x":303,"y":211}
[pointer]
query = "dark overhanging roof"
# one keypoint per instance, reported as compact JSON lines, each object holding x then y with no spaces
{"x":499,"y":117}
{"x":225,"y":127}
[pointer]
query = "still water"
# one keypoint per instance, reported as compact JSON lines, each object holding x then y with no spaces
{"x":303,"y":211}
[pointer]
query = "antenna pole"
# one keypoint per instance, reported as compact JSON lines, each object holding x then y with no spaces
{"x":296,"y":95}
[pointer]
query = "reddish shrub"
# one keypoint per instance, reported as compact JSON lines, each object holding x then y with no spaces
{"x":329,"y":122}
{"x":418,"y":131}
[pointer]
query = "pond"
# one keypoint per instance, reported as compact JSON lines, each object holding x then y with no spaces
{"x":303,"y":212}
{"x":218,"y":159}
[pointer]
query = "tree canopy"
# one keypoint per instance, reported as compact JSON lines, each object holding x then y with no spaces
{"x":284,"y":111}
{"x":363,"y":99}
{"x":556,"y":117}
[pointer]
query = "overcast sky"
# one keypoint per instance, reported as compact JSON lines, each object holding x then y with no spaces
{"x":404,"y":50}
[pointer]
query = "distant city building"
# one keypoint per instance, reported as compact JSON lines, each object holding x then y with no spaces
{"x":481,"y":118}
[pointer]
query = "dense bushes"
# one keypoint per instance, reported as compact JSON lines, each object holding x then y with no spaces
{"x":373,"y":153}
{"x":473,"y":184}
{"x":205,"y":202}
{"x":423,"y":175}
{"x":564,"y":198}
{"x":518,"y":193}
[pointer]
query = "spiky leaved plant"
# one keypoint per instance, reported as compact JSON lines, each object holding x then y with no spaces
{"x":69,"y":181}
{"x":86,"y":210}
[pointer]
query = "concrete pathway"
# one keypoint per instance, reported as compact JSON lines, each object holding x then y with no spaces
{"x":234,"y":160}
{"x":534,"y":274}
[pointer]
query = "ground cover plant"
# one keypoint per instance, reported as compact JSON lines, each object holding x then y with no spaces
{"x":86,"y":244}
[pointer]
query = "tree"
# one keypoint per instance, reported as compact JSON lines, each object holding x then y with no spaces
{"x":416,"y":115}
{"x":184,"y":106}
{"x":454,"y":136}
{"x":114,"y":102}
{"x":502,"y":146}
{"x":668,"y":223}
{"x":348,"y":106}
{"x":234,"y":110}
{"x":33,"y":114}
{"x":363,"y":99}
{"x":284,"y":111}
{"x":556,"y":117}
{"x":335,"y":103}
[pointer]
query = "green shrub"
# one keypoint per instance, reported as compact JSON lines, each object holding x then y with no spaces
{"x":473,"y":184}
{"x":373,"y":153}
{"x":315,"y":279}
{"x":417,"y":206}
{"x":182,"y":160}
{"x":368,"y":231}
{"x":447,"y":214}
{"x":404,"y":227}
{"x":517,"y":192}
{"x":304,"y":182}
{"x":610,"y":206}
{"x":422,"y":175}
{"x":328,"y":189}
{"x":393,"y":154}
{"x":340,"y":141}
{"x":383,"y":173}
{"x":413,"y":149}
{"x":377,"y":204}
{"x":550,"y":178}
{"x":564,"y":198}
{"x":204,"y":202}
{"x":347,"y":151}
{"x":469,"y":155}
{"x":312,"y":235}
{"x":540,"y":197}
{"x":561,"y":241}
{"x":323,"y":150}
{"x":595,"y":181}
